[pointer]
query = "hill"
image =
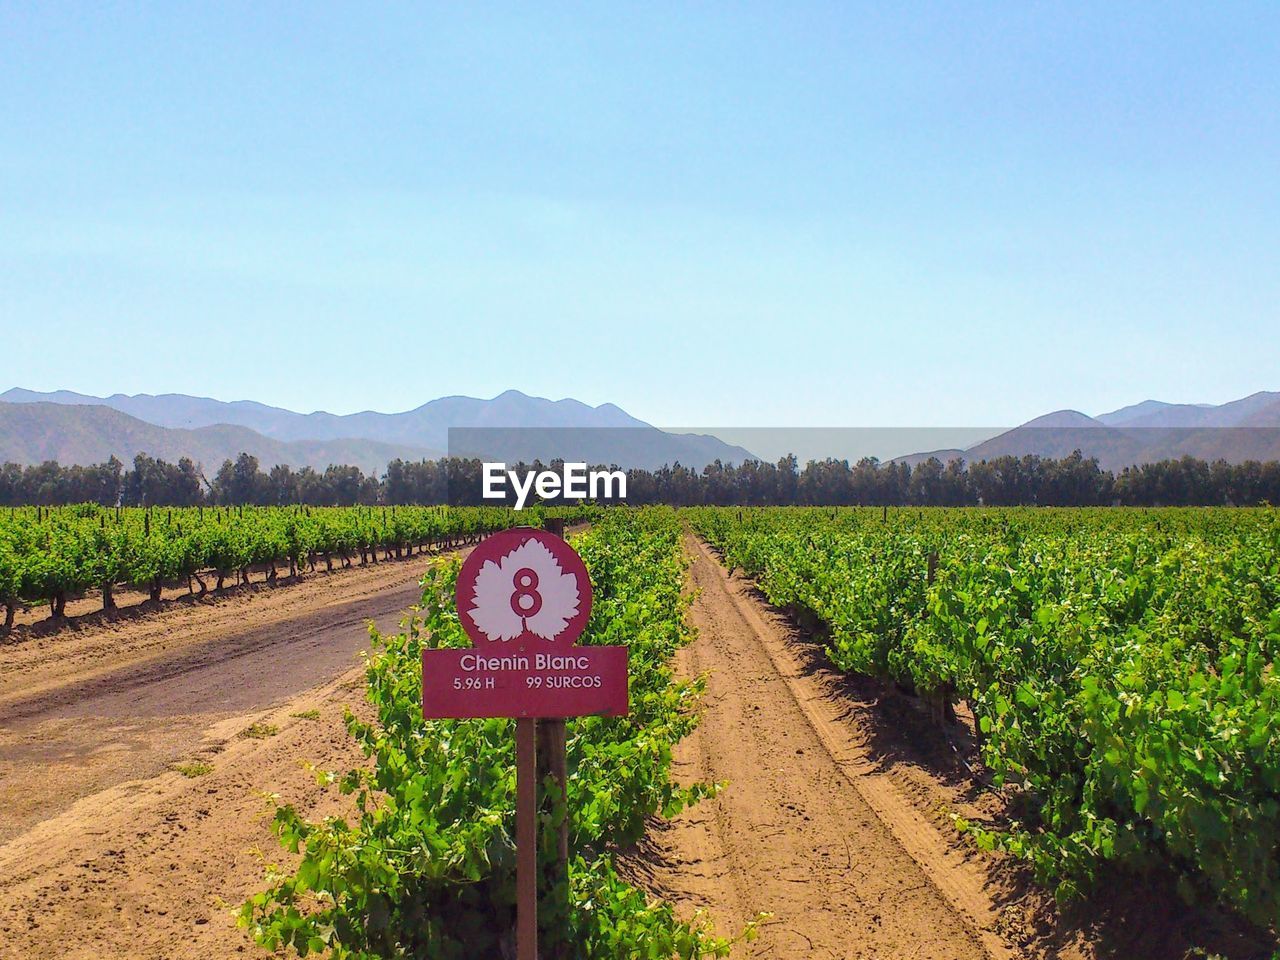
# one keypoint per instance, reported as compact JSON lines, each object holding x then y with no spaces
{"x":35,"y":432}
{"x":1257,"y":410}
{"x":511,"y":427}
{"x":1246,"y":429}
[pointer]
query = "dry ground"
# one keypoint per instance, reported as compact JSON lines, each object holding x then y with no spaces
{"x":108,"y":850}
{"x":810,"y":828}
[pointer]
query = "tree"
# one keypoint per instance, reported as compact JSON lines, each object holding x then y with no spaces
{"x":240,"y":482}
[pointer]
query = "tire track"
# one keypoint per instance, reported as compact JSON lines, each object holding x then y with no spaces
{"x":804,"y":830}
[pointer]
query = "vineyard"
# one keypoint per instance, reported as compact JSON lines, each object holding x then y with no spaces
{"x":1107,"y":675}
{"x":1120,"y":668}
{"x":50,"y":554}
{"x":428,"y":867}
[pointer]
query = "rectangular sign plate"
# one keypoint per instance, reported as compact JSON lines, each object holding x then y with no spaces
{"x":529,"y":680}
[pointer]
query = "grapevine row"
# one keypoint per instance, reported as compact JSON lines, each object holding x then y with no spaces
{"x":1121,"y":667}
{"x":48,"y":555}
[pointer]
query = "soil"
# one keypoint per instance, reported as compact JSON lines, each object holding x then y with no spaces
{"x":84,"y":710}
{"x":93,"y":644}
{"x":809,"y":828}
{"x":155,"y":868}
{"x":108,"y":849}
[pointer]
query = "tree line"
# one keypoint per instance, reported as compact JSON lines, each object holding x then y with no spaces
{"x":1004,"y":481}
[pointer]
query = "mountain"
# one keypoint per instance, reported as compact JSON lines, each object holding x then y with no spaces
{"x":172,"y":409}
{"x":1118,"y":418}
{"x":512,"y":426}
{"x":1057,"y":435}
{"x":945,"y":456}
{"x":1179,"y":414}
{"x":427,"y":425}
{"x":83,"y":433}
{"x":1257,"y":410}
{"x":1245,"y":429}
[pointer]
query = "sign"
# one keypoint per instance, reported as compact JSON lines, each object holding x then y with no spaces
{"x":524,"y":598}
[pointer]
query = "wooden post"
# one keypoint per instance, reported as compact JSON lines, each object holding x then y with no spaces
{"x":553,"y":766}
{"x":526,"y":840}
{"x":553,"y":772}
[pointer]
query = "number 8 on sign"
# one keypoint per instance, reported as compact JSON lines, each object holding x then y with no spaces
{"x":526,"y":601}
{"x":524,"y":586}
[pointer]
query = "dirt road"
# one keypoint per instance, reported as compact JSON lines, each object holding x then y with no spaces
{"x":811,"y":827}
{"x":110,"y":852}
{"x":84,"y":711}
{"x":153,"y":869}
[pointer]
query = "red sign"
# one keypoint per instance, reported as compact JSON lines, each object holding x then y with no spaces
{"x":524,"y":598}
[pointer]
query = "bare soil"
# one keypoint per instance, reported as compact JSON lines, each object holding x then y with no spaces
{"x":809,"y":827}
{"x":94,"y":644}
{"x":156,"y":867}
{"x":108,"y":849}
{"x":86,"y":709}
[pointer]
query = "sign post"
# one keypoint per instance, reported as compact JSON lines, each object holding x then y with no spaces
{"x":553,"y":768}
{"x":524,"y":598}
{"x":526,"y":839}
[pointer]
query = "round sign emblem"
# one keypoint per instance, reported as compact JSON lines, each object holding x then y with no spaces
{"x":524,"y":586}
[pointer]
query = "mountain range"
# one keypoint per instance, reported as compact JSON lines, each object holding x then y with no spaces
{"x":77,"y":428}
{"x":1245,"y":429}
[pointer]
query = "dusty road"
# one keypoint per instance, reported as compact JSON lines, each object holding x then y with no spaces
{"x":154,"y":868}
{"x":107,"y":851}
{"x":809,"y":828}
{"x":84,"y":711}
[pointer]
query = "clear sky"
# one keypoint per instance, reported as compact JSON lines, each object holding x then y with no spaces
{"x":710,"y":214}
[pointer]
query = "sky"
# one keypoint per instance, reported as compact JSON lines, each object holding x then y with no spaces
{"x":710,"y":214}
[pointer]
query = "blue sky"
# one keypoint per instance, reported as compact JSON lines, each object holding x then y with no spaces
{"x":843,"y":214}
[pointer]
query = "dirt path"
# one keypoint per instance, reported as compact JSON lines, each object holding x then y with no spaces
{"x":154,"y":869}
{"x":34,"y":663}
{"x":86,"y":710}
{"x":810,"y":828}
{"x":108,"y":850}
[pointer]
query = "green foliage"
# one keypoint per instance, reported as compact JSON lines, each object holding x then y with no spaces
{"x":425,"y":864}
{"x":258,"y":731}
{"x":193,"y":769}
{"x":1120,"y":665}
{"x":51,"y":552}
